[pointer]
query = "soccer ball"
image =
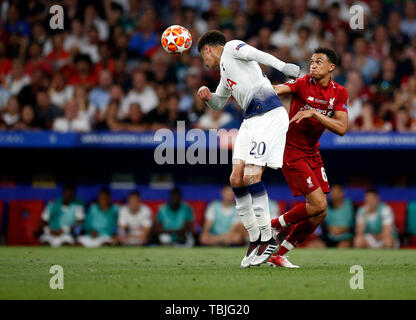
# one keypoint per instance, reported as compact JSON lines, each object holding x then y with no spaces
{"x":176,"y":40}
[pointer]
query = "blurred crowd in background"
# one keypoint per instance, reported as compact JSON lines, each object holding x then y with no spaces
{"x":106,"y":69}
{"x":68,"y":221}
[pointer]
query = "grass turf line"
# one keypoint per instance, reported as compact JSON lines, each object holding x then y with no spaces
{"x":202,"y":273}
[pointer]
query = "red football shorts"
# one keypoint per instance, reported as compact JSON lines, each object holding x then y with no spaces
{"x":305,"y":175}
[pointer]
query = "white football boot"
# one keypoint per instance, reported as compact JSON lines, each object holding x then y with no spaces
{"x":251,"y":252}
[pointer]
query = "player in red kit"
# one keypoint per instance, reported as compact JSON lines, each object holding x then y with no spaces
{"x":318,"y":103}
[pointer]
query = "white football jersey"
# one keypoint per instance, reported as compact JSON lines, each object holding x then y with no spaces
{"x":240,"y":77}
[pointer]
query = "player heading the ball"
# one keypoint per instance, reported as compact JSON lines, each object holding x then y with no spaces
{"x":261,"y":139}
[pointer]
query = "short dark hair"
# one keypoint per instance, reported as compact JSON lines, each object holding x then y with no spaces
{"x":371,"y":190}
{"x":134,"y":193}
{"x":212,"y":38}
{"x":176,"y":191}
{"x":330,"y":53}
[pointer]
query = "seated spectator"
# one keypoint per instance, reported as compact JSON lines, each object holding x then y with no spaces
{"x":368,"y":66}
{"x":11,"y":112}
{"x":61,"y":219}
{"x":402,"y":121}
{"x":60,"y":92}
{"x":174,"y":220}
{"x":213,"y":119}
{"x":141,"y":93}
{"x":411,"y":222}
{"x":110,"y":121}
{"x":222,"y":224}
{"x":87,"y":109}
{"x":73,"y":120}
{"x":339,"y":221}
{"x":355,"y":103}
{"x":83,"y":74}
{"x":35,"y":60}
{"x":368,"y":121}
{"x":107,"y":61}
{"x":174,"y":114}
{"x":16,"y":79}
{"x":193,"y":83}
{"x":145,"y":41}
{"x":58,"y":57}
{"x":76,"y":38}
{"x":286,"y":35}
{"x":135,"y":120}
{"x":45,"y":111}
{"x":28,"y":120}
{"x":100,"y":95}
{"x":100,"y":225}
{"x":375,"y":224}
{"x":157,"y":118}
{"x":14,"y":23}
{"x":134,"y":221}
{"x":6,"y":64}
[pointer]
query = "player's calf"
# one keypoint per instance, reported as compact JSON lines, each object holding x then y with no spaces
{"x":315,"y":206}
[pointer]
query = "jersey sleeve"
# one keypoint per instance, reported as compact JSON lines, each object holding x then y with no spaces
{"x":147,"y":216}
{"x":79,"y":213}
{"x":122,"y":218}
{"x":360,"y":216}
{"x":238,"y":49}
{"x":342,"y":101}
{"x":222,"y":91}
{"x":295,"y":85}
{"x":209,"y":213}
{"x":387,"y":216}
{"x":46,"y":213}
{"x":242,"y":51}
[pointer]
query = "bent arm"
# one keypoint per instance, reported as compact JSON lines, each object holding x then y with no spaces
{"x":338,"y":124}
{"x":216,"y":102}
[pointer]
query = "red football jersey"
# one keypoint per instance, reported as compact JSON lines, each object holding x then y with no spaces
{"x":303,"y":138}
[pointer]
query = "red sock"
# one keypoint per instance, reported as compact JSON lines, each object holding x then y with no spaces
{"x":299,"y":233}
{"x":294,"y":215}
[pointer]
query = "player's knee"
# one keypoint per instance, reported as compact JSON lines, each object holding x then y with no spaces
{"x":320,"y":206}
{"x":236,"y":181}
{"x":251,"y":179}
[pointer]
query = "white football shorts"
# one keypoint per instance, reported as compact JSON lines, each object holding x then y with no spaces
{"x":261,"y":139}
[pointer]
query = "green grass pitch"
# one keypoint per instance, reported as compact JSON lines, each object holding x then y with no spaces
{"x":202,"y":273}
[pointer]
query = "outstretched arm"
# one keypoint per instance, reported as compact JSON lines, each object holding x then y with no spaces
{"x":282,"y":89}
{"x":338,"y":124}
{"x":249,"y":53}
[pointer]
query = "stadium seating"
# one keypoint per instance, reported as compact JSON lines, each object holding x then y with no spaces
{"x":23,"y":221}
{"x":1,"y":215}
{"x":154,"y":205}
{"x":198,"y":207}
{"x":399,"y":209}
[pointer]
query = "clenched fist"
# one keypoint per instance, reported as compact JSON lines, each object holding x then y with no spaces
{"x":204,"y":93}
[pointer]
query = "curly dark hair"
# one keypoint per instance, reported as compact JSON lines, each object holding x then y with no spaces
{"x":330,"y":53}
{"x":212,"y":38}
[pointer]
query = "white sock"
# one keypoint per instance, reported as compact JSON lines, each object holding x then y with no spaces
{"x":262,"y":211}
{"x":287,"y":245}
{"x":245,"y":211}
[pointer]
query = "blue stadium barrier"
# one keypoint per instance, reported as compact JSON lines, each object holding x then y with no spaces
{"x":145,"y":140}
{"x":190,"y":192}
